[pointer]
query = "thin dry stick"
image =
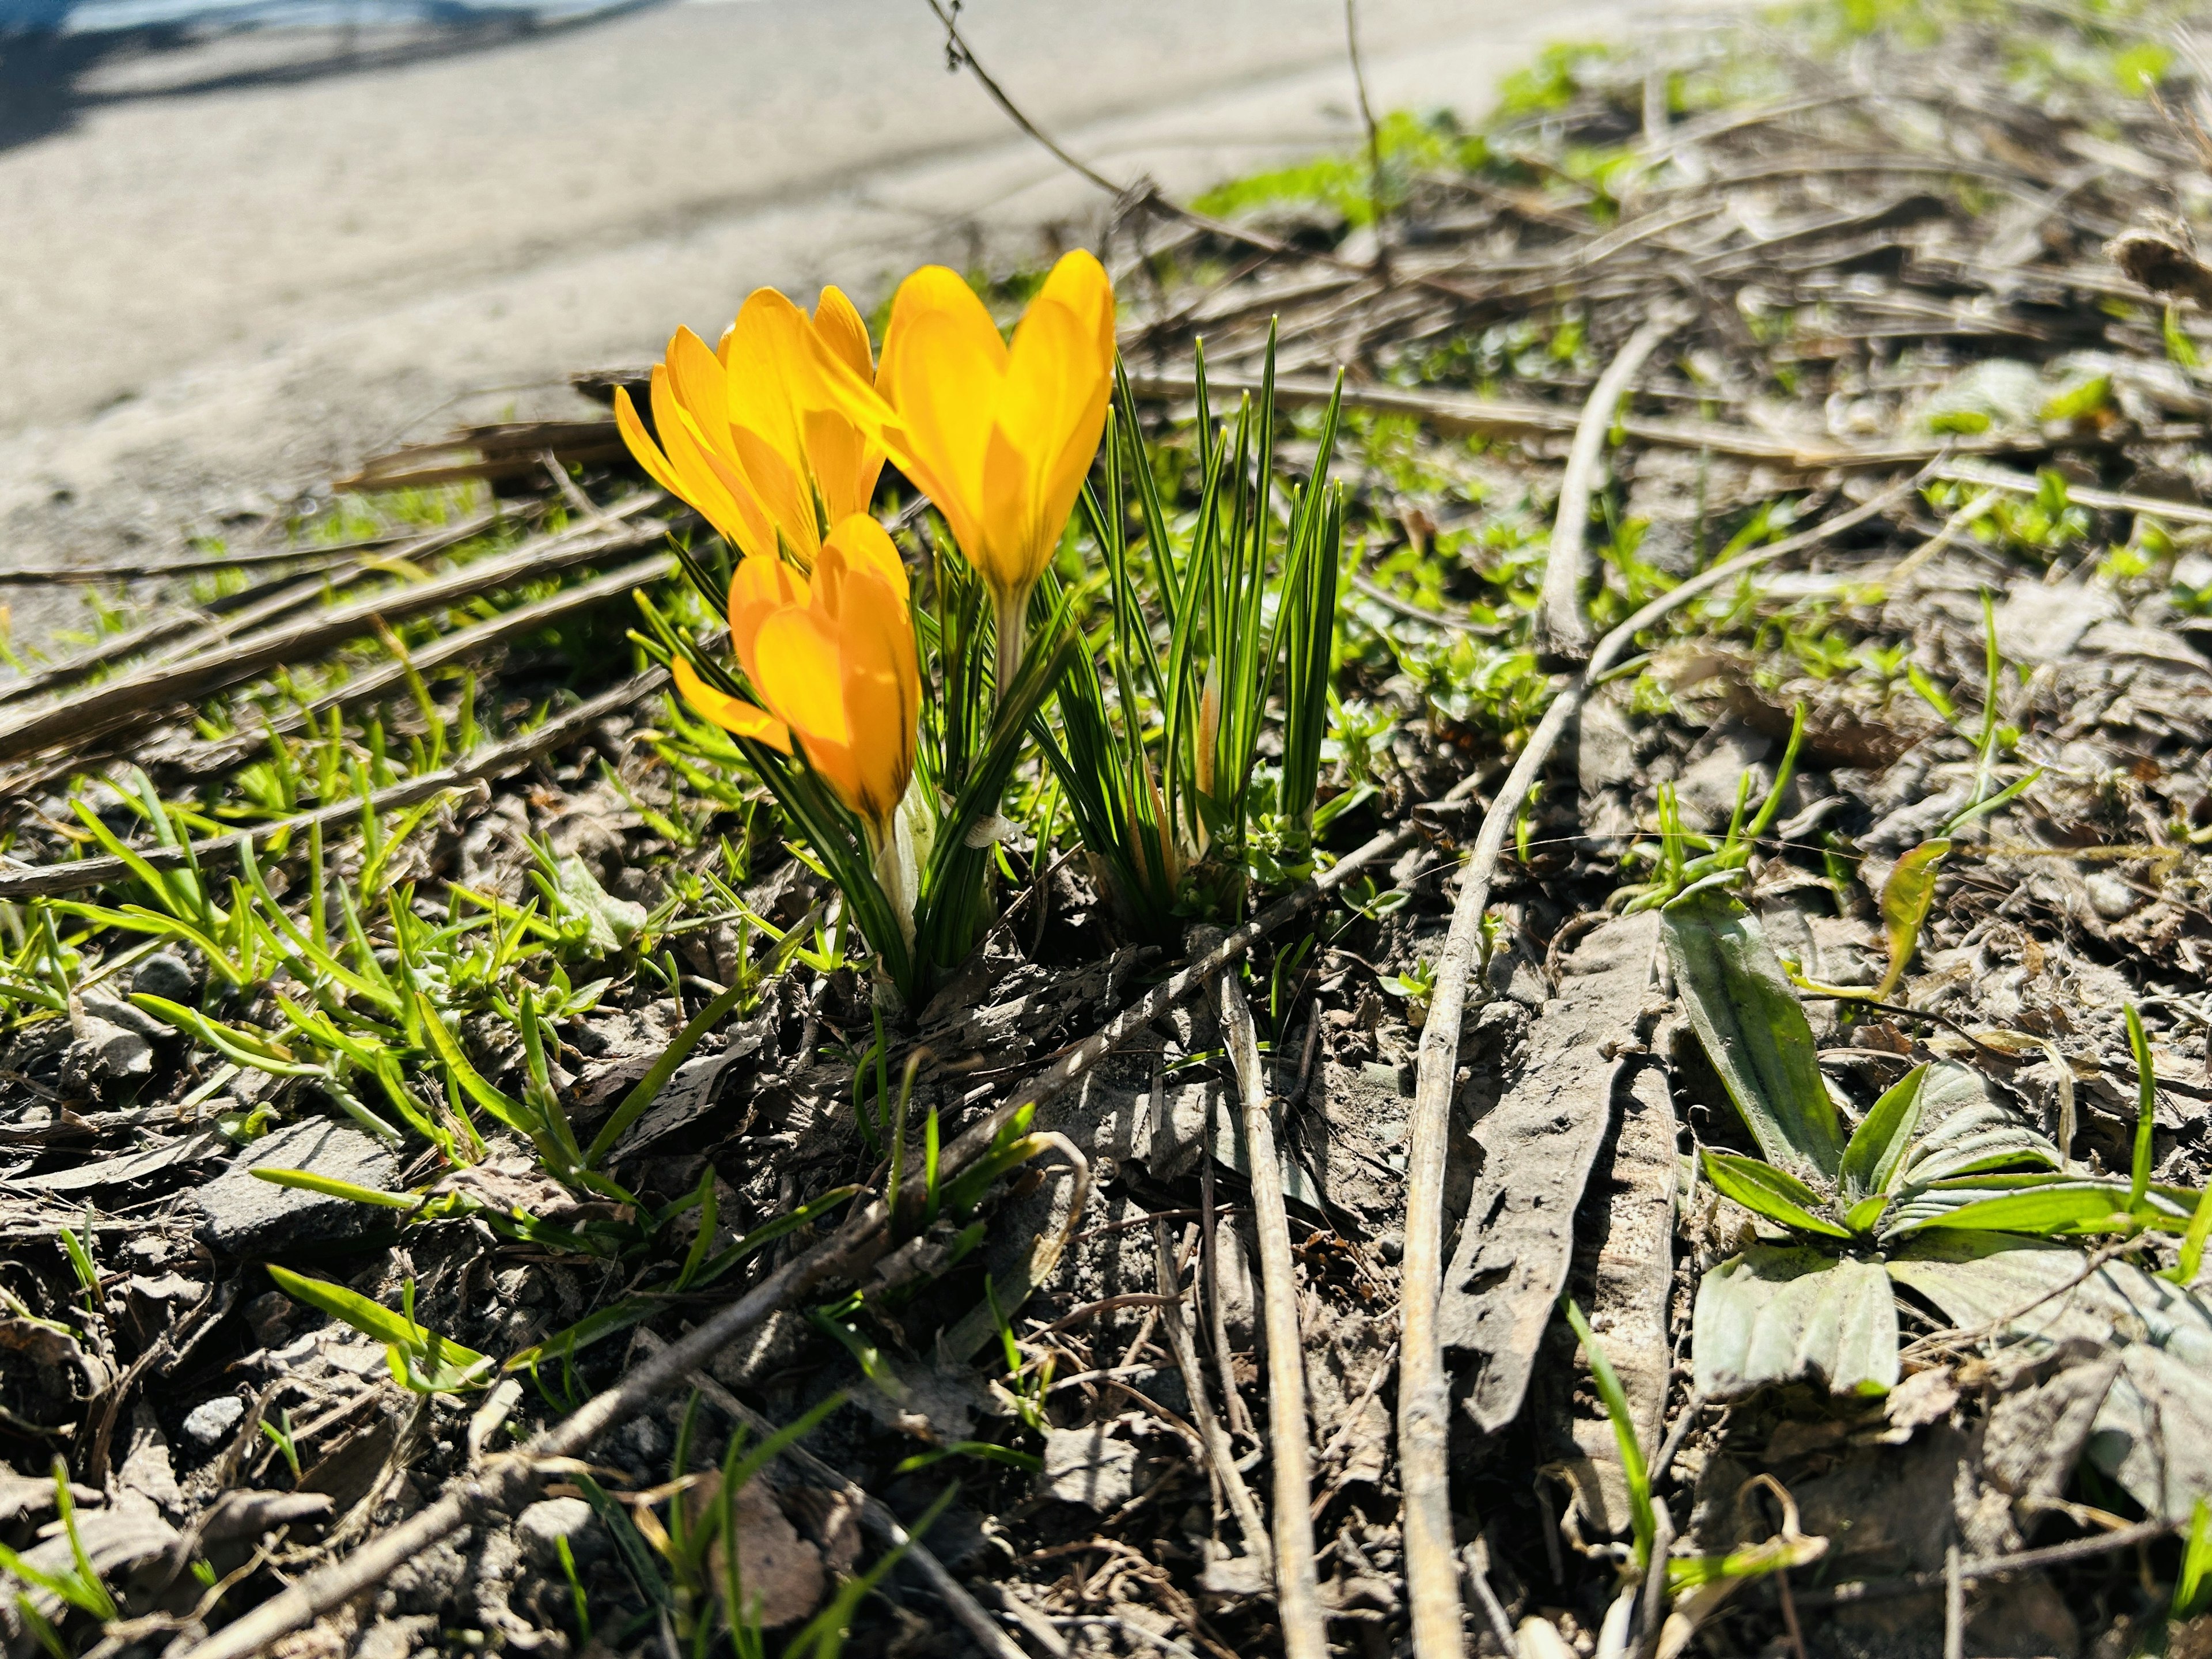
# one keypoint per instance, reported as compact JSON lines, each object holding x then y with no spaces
{"x":1412,"y":613}
{"x":1475,"y":1561}
{"x":1561,"y":635}
{"x":1374,"y":136}
{"x":167,"y":631}
{"x":506,"y":1482}
{"x":1240,"y":1416}
{"x":190,"y":634}
{"x":128,"y":698}
{"x":2022,"y":483}
{"x":456,"y":646}
{"x":1297,"y":1587}
{"x":1492,"y":417}
{"x":2072,"y":1552}
{"x":44,"y":880}
{"x":1143,"y":193}
{"x":1954,"y":1605}
{"x":1935,"y":544}
{"x":875,"y":1515}
{"x":1220,"y":1453}
{"x":1423,"y":1402}
{"x":389,"y":546}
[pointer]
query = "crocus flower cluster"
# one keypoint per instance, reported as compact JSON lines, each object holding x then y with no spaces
{"x":778,"y":436}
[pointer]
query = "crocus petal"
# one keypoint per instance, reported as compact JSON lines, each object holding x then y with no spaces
{"x":758,"y":588}
{"x":771,"y":369}
{"x":862,"y":544}
{"x":731,"y":713}
{"x":782,"y":490}
{"x":838,"y":325}
{"x":944,"y":384}
{"x":934,"y":291}
{"x":642,"y":448}
{"x":716,"y":487}
{"x":1078,"y":281}
{"x":846,"y":464}
{"x":879,"y":695}
{"x":799,"y":674}
{"x":1051,"y":412}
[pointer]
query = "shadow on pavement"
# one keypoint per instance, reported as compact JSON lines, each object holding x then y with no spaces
{"x":53,"y":68}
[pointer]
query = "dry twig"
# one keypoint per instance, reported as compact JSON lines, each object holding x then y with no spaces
{"x":1297,"y":1591}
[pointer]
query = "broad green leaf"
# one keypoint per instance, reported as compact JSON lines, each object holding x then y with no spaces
{"x":1754,"y":1030}
{"x":2153,"y":1433}
{"x":613,"y":922}
{"x":1973,"y":1136}
{"x":1774,"y":1193}
{"x":1862,"y":1216}
{"x":438,"y":1366}
{"x":2038,"y":1203}
{"x":1906,"y":897}
{"x":1998,"y":1280}
{"x":2038,"y":1286}
{"x":1780,"y":1315}
{"x":1877,"y":1146}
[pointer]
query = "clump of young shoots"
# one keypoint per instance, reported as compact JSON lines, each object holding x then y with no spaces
{"x":1158,"y":747}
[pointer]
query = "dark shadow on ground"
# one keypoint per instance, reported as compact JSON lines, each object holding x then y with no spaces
{"x":48,"y":77}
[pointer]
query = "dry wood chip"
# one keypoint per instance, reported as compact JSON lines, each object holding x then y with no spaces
{"x":1537,"y":1148}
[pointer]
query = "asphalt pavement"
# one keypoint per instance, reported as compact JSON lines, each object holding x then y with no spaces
{"x":231,"y":269}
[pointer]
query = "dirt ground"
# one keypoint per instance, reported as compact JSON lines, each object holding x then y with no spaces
{"x":1688,"y":1138}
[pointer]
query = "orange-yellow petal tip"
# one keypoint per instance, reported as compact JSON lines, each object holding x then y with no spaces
{"x":731,"y":713}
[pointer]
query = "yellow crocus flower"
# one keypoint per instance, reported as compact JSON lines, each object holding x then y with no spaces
{"x":831,"y":658}
{"x":998,"y":435}
{"x":750,"y":434}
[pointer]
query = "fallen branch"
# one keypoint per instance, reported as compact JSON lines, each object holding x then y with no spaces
{"x":197,"y":624}
{"x":394,"y":547}
{"x":456,"y":646}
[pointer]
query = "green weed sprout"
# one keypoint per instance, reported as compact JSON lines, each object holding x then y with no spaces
{"x":422,"y":1361}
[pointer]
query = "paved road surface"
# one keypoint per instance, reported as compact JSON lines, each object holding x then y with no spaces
{"x":226,"y":272}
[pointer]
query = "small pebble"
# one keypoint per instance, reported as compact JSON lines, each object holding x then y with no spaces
{"x":210,"y":1423}
{"x":164,"y":975}
{"x":537,"y":1527}
{"x":2110,"y":898}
